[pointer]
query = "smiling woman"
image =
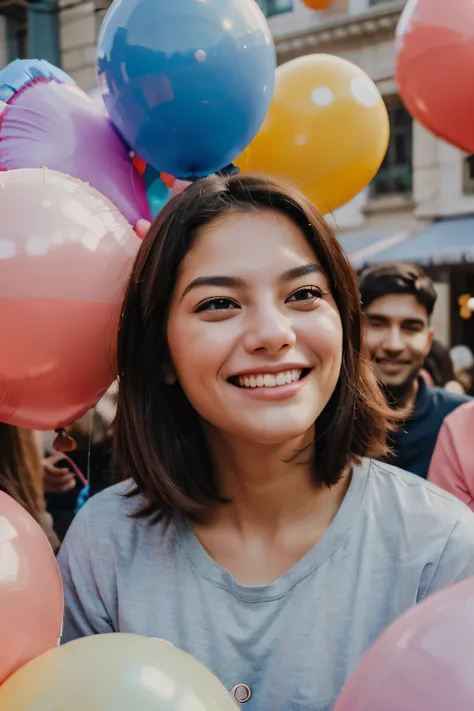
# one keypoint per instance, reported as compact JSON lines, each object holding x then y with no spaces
{"x":247,"y":415}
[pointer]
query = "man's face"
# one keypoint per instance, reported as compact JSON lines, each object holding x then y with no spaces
{"x":399,"y":338}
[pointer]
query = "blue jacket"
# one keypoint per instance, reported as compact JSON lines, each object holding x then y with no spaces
{"x":413,"y":444}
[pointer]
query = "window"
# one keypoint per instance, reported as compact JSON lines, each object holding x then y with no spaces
{"x":275,"y":7}
{"x":468,"y":175}
{"x":13,"y":33}
{"x":17,"y":39}
{"x":396,"y":172}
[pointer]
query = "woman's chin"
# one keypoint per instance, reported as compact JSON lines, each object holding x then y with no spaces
{"x":271,"y":434}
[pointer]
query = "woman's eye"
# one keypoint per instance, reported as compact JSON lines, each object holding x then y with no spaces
{"x":220,"y":304}
{"x":306,"y":293}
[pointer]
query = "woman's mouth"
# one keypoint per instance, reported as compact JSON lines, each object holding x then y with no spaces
{"x":269,"y":380}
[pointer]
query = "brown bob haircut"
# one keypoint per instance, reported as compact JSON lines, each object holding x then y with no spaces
{"x":159,"y":441}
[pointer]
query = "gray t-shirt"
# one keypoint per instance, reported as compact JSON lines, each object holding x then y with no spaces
{"x":395,"y":539}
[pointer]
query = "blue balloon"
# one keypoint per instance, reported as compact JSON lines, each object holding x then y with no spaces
{"x":187,"y":83}
{"x":23,"y":72}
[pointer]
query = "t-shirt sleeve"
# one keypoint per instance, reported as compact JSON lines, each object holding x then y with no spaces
{"x":456,"y":562}
{"x":446,"y":469}
{"x":85,"y":612}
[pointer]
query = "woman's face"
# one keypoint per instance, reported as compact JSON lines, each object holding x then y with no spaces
{"x":254,"y":334}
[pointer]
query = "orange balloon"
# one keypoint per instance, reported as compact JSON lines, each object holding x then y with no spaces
{"x":327,"y":129}
{"x":31,"y":593}
{"x":435,"y":67}
{"x":318,"y":4}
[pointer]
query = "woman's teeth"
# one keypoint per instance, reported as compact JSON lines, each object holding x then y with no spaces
{"x":268,"y":380}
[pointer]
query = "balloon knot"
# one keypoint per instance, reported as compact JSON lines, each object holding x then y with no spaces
{"x":63,"y":441}
{"x":228,"y":171}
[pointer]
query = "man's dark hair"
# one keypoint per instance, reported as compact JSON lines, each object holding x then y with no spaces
{"x":397,"y":278}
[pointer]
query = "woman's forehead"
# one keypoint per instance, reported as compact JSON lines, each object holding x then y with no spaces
{"x":247,"y":243}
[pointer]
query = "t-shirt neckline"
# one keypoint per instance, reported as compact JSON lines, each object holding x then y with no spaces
{"x":334,"y":536}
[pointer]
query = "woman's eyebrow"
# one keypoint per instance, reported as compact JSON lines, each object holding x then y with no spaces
{"x":303,"y":270}
{"x":236,"y":282}
{"x":229,"y":281}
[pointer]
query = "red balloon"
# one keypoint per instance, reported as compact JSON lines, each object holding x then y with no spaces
{"x":140,"y":165}
{"x":422,"y":662}
{"x":31,"y":593}
{"x":65,"y":257}
{"x":317,"y":4}
{"x":435,"y":67}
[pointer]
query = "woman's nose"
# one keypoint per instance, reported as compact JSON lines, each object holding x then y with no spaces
{"x":269,"y":330}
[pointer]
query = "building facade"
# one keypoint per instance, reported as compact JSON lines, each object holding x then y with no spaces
{"x":420,"y":206}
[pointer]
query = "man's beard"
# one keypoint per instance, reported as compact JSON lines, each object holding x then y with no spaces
{"x":397,"y":396}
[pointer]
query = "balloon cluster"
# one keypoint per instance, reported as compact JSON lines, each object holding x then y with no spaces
{"x":185,"y":87}
{"x":115,"y":672}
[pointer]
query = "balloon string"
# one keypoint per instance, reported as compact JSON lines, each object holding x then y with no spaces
{"x":91,"y":428}
{"x":77,"y":471}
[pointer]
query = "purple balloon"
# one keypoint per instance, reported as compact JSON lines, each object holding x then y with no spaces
{"x":55,"y":125}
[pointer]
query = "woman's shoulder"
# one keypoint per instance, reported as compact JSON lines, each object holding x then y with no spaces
{"x":115,"y":499}
{"x":406,"y":494}
{"x":109,"y":519}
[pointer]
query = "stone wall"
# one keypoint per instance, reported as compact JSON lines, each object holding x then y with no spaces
{"x":78,"y":33}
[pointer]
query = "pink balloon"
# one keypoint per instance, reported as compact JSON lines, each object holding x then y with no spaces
{"x":423,"y":662}
{"x":65,"y":257}
{"x":178,"y":187}
{"x":31,"y":593}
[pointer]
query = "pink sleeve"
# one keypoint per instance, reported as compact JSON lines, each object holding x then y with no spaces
{"x":446,"y":468}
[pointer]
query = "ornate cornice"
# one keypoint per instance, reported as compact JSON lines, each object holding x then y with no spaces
{"x":341,"y":29}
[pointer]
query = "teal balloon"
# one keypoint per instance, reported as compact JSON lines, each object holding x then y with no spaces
{"x":158,"y":195}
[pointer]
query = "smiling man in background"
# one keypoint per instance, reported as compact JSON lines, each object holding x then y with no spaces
{"x":398,"y":300}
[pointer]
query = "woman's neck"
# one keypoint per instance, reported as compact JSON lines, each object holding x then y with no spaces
{"x":276,"y":514}
{"x":269,"y":486}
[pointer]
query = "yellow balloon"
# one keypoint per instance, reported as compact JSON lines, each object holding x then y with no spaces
{"x":327,"y":129}
{"x":114,"y":672}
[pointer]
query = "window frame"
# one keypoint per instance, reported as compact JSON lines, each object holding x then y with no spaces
{"x":400,"y":172}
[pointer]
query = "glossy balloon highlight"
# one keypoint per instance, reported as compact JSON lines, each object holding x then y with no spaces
{"x":327,"y":130}
{"x":435,"y":67}
{"x":187,"y":83}
{"x":115,"y":672}
{"x":31,"y":593}
{"x":65,"y":257}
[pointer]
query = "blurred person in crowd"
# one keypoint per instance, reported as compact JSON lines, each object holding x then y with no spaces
{"x":21,"y":475}
{"x":438,"y":369}
{"x":398,"y":300}
{"x":93,"y":435}
{"x":452,"y":465}
{"x":463,"y":363}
